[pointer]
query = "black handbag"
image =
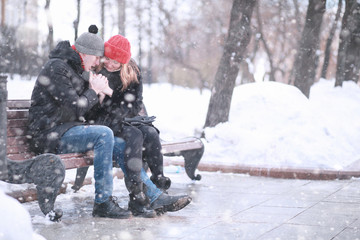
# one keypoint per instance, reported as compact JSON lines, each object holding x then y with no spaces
{"x":139,"y":120}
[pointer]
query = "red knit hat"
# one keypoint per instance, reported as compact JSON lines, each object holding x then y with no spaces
{"x":118,"y":49}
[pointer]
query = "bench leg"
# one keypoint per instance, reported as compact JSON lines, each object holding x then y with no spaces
{"x":192,"y":159}
{"x":80,"y":177}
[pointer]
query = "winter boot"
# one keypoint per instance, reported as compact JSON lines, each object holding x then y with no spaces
{"x":161,"y":181}
{"x":110,"y":209}
{"x":139,"y":204}
{"x":140,"y":207}
{"x":167,"y":203}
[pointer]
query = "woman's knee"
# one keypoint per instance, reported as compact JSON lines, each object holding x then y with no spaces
{"x":150,"y":133}
{"x":134,"y":134}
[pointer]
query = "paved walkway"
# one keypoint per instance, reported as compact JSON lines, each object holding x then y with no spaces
{"x":224,"y":206}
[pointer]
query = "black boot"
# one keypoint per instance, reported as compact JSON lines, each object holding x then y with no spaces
{"x":167,"y":203}
{"x":139,"y":204}
{"x":110,"y":209}
{"x":161,"y":181}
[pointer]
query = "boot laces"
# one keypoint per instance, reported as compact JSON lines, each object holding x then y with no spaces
{"x":113,"y":199}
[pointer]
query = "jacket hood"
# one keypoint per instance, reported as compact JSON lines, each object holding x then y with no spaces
{"x":64,"y":51}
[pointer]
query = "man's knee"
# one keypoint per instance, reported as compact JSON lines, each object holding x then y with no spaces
{"x":106,"y":135}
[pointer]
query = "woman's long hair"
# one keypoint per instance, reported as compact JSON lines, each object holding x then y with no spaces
{"x":129,"y":73}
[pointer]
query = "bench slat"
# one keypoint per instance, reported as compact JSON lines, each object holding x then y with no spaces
{"x":16,"y":131}
{"x":76,"y":160}
{"x":11,"y":149}
{"x":16,"y":140}
{"x":169,"y":147}
{"x":18,"y":114}
{"x":20,"y":156}
{"x":18,"y":104}
{"x":22,"y":123}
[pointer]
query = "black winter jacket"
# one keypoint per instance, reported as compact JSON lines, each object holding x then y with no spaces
{"x":60,"y":99}
{"x":123,"y":103}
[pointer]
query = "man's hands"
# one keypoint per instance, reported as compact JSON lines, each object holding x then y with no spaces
{"x":98,"y":82}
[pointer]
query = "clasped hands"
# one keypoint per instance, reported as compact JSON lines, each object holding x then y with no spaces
{"x":100,"y":85}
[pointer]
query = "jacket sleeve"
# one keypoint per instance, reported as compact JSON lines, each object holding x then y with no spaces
{"x":138,"y":103}
{"x":133,"y":98}
{"x":65,"y":88}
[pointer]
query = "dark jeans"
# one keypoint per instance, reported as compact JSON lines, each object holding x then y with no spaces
{"x":142,"y":143}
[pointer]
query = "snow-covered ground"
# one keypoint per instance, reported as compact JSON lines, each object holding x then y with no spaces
{"x":15,"y":221}
{"x":271,"y":124}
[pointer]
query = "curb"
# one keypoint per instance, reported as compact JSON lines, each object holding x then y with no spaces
{"x":286,"y":173}
{"x":30,"y":194}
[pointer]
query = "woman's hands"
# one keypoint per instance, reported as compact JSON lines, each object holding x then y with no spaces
{"x":100,"y":85}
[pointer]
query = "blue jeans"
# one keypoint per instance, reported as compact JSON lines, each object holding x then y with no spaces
{"x":105,"y":146}
{"x":101,"y":140}
{"x":152,"y":192}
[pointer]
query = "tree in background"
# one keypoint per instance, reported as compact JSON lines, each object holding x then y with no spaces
{"x":265,"y":44}
{"x":274,"y":39}
{"x":306,"y":60}
{"x":50,"y":39}
{"x":19,"y":45}
{"x":330,"y":40}
{"x":190,"y":44}
{"x":148,"y":76}
{"x":348,"y":62}
{"x":139,"y":13}
{"x":239,"y":35}
{"x":3,"y":7}
{"x":121,"y":16}
{"x":102,"y":16}
{"x":77,"y":20}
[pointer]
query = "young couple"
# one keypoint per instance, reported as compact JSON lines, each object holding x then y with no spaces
{"x":75,"y":110}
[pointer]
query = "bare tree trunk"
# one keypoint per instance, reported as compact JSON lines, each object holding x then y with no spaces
{"x":297,"y":15}
{"x":349,"y":49}
{"x":267,"y":50}
{"x":139,"y":14}
{"x":102,"y":18}
{"x":306,"y":60}
{"x":329,"y":41}
{"x":3,"y":7}
{"x":76,"y":22}
{"x":246,"y":75}
{"x":235,"y":46}
{"x":149,"y":68}
{"x":50,"y":38}
{"x":3,"y":127}
{"x":121,"y":16}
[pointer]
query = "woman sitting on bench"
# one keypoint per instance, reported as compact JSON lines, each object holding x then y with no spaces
{"x":123,"y":99}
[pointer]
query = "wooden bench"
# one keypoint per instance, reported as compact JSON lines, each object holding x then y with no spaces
{"x":17,"y":147}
